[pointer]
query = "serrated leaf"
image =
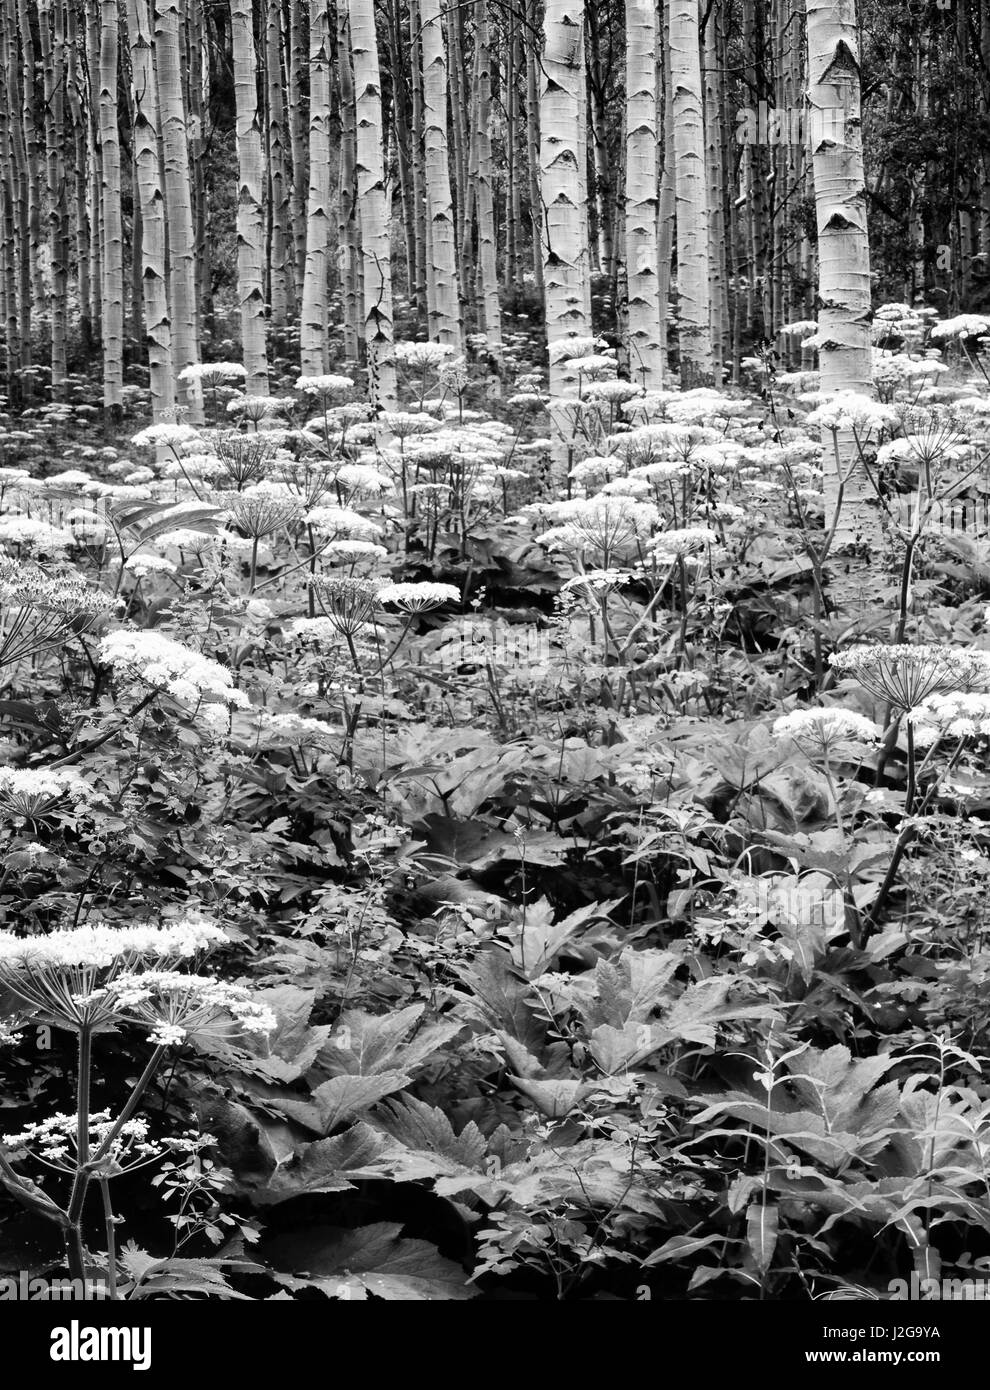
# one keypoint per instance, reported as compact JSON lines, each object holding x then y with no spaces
{"x":327,"y":1166}
{"x":344,"y":1096}
{"x":370,"y":1260}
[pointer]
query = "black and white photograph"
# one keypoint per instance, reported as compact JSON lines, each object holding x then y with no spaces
{"x":494,"y":672}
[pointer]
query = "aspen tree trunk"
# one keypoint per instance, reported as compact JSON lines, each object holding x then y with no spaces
{"x":348,"y":237}
{"x":844,"y":349}
{"x":82,"y":77}
{"x":445,"y":321}
{"x":983,"y":235}
{"x":716,"y":193}
{"x":313,"y":322}
{"x":250,"y":221}
{"x":533,"y":147}
{"x":178,"y":203}
{"x":85,"y":172}
{"x":154,"y":285}
{"x":602,"y":202}
{"x":840,"y":200}
{"x":484,"y":180}
{"x":296,"y":62}
{"x":313,"y":326}
{"x":458,"y":105}
{"x":920,"y":175}
{"x":20,"y":97}
{"x":8,"y":234}
{"x":417,"y":162}
{"x":373,"y":209}
{"x":667,"y":212}
{"x":196,"y":88}
{"x":646,"y":351}
{"x":32,"y":147}
{"x":112,"y":239}
{"x":510,"y":266}
{"x":279,"y":257}
{"x":52,"y":57}
{"x":691,"y":191}
{"x":754,"y":168}
{"x":565,"y":239}
{"x":397,"y":111}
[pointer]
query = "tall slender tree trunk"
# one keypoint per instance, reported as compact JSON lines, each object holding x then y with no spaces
{"x":154,"y":284}
{"x":484,"y":181}
{"x":445,"y":318}
{"x":646,"y":353}
{"x":691,"y":190}
{"x":250,"y":220}
{"x":178,"y":202}
{"x":348,"y":231}
{"x":373,"y":209}
{"x":53,"y":61}
{"x":112,"y":239}
{"x":565,"y":239}
{"x":279,"y":189}
{"x":313,"y":326}
{"x":844,"y":349}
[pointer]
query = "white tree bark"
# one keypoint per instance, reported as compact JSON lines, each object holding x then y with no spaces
{"x":113,"y":237}
{"x":646,"y":346}
{"x":313,"y":325}
{"x":250,"y":220}
{"x":566,"y":268}
{"x":844,"y":349}
{"x":691,"y":195}
{"x":441,"y":269}
{"x":373,"y":206}
{"x":178,"y":201}
{"x":154,"y":288}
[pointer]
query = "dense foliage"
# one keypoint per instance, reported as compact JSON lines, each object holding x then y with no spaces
{"x":493,"y":877}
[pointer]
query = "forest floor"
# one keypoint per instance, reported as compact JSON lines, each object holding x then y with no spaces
{"x":597,"y":911}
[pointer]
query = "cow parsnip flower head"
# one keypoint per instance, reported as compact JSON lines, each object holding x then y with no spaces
{"x":177,"y":1006}
{"x":342,"y":523}
{"x":56,"y":975}
{"x":244,"y":457}
{"x":962,"y":326}
{"x":819,"y":731}
{"x":328,"y":385}
{"x":35,"y":792}
{"x":906,"y":675}
{"x":261,"y":514}
{"x":849,"y":410}
{"x":671,"y":545}
{"x":167,"y":436}
{"x":186,"y":675}
{"x":35,"y":536}
{"x":38,"y":610}
{"x":212,"y":373}
{"x":418,"y":598}
{"x":422,"y":356}
{"x":54,"y":1142}
{"x":405,"y":423}
{"x":956,"y":713}
{"x":349,"y":604}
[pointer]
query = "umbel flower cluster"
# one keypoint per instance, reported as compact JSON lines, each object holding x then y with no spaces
{"x":35,"y":792}
{"x":905,"y":676}
{"x":169,"y":666}
{"x":38,"y":610}
{"x":97,"y":975}
{"x":55,"y":1139}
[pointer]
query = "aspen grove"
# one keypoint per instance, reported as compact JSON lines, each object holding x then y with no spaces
{"x":495,"y":651}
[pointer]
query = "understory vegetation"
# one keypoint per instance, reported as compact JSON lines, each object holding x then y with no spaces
{"x":444,"y":860}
